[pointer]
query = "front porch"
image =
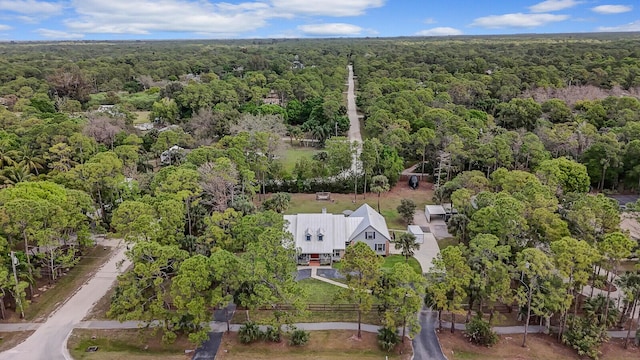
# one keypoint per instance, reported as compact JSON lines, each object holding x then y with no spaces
{"x":315,"y":259}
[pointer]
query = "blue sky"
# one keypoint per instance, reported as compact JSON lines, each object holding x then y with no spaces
{"x":195,"y":19}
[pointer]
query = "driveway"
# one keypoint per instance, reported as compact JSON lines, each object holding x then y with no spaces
{"x":426,"y":345}
{"x":49,"y":341}
{"x":429,"y":249}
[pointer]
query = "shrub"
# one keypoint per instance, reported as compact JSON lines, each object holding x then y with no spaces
{"x":585,"y":336}
{"x":272,"y":334}
{"x":480,"y":333}
{"x":387,"y":339}
{"x":249,"y":332}
{"x":299,"y":337}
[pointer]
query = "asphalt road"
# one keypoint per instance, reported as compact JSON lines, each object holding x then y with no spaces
{"x":425,"y":344}
{"x":209,"y":348}
{"x":49,"y":342}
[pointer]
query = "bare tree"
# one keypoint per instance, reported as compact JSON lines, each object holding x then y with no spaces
{"x":70,"y":82}
{"x":104,"y":128}
{"x":260,"y":123}
{"x":218,"y":180}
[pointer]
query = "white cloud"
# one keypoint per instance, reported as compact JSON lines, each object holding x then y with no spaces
{"x":327,"y":7}
{"x":612,"y":9}
{"x":553,"y":5}
{"x":517,"y":20}
{"x":145,"y":16}
{"x":330,"y":29}
{"x":58,"y":35}
{"x":429,"y":21}
{"x":634,"y":26}
{"x":439,"y":31}
{"x":31,"y":7}
{"x":5,"y":27}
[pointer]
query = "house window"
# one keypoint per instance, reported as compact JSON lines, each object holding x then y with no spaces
{"x":308,"y":237}
{"x":370,"y":235}
{"x":336,"y":253}
{"x":320,"y":237}
{"x":380,"y":247}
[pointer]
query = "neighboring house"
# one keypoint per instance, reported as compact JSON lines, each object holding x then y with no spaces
{"x":168,"y":156}
{"x":109,"y":109}
{"x":323,"y":238}
{"x":273,"y":99}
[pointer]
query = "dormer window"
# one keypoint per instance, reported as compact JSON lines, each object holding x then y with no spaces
{"x":320,"y":237}
{"x":321,"y":234}
{"x":308,"y":237}
{"x":308,"y":234}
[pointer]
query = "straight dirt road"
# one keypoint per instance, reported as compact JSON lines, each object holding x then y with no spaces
{"x":49,"y":342}
{"x":352,"y":109}
{"x":354,"y":121}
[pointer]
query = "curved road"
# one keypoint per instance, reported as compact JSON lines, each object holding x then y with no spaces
{"x":49,"y":341}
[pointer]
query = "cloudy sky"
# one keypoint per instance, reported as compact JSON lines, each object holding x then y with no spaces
{"x":196,"y":19}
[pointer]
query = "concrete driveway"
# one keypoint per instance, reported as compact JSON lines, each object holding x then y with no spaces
{"x":429,"y":249}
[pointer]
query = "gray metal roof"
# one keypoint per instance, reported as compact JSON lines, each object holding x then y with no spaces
{"x":333,"y":229}
{"x":336,"y":229}
{"x":415,"y":230}
{"x":372,"y":218}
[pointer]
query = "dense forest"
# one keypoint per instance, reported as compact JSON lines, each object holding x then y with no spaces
{"x":517,"y":132}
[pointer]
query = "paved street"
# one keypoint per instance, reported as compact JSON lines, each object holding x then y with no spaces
{"x":49,"y":341}
{"x":426,"y":345}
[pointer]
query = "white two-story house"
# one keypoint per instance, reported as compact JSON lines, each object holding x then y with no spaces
{"x":322,"y":238}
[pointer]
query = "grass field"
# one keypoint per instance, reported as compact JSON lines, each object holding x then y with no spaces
{"x":132,"y":344}
{"x":323,"y":345}
{"x":142,"y":117}
{"x":320,"y":292}
{"x":307,"y":203}
{"x":47,"y":301}
{"x":446,"y":242}
{"x":391,"y":260}
{"x":292,"y":154}
{"x":539,"y":346}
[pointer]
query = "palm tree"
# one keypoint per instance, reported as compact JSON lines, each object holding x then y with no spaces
{"x":379,"y":185}
{"x":29,"y":159}
{"x":595,"y":309}
{"x":7,"y":155}
{"x":457,"y":226}
{"x":630,"y":284}
{"x":15,"y":174}
{"x":407,"y":243}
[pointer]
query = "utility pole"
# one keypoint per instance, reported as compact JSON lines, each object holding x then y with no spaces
{"x":14,"y":262}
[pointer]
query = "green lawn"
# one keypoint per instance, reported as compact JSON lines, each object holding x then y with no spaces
{"x":319,"y":292}
{"x":391,"y":260}
{"x":307,"y":204}
{"x":125,"y":344}
{"x":142,"y":117}
{"x":291,"y":155}
{"x":446,"y":242}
